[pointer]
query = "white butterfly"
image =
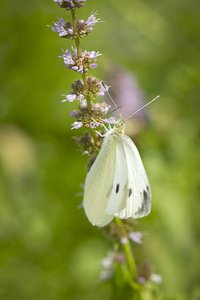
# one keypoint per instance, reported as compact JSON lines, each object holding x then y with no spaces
{"x":117,"y":184}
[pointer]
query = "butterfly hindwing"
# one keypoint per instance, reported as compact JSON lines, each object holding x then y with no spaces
{"x":139,"y":192}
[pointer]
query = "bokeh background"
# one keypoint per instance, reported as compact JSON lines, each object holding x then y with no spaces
{"x":48,"y":249}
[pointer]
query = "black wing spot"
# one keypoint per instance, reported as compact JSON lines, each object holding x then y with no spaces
{"x":144,"y":195}
{"x":144,"y":206}
{"x":130,"y":192}
{"x":117,"y":188}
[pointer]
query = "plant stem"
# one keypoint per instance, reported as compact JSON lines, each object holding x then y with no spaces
{"x":128,"y":251}
{"x":78,"y":47}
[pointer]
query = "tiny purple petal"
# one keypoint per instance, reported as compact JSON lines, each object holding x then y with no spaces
{"x":102,"y":89}
{"x":111,"y":120}
{"x":67,"y":52}
{"x":77,"y":125}
{"x":94,"y":125}
{"x":75,"y":51}
{"x":106,"y":108}
{"x":93,"y":66}
{"x":92,"y":20}
{"x":141,"y":280}
{"x":73,"y":113}
{"x":75,"y":68}
{"x":84,"y":104}
{"x":100,"y":94}
{"x":136,"y":237}
{"x":70,"y":31}
{"x":67,"y":59}
{"x":123,"y":240}
{"x":70,"y":97}
{"x":93,"y":54}
{"x":59,"y":27}
{"x":80,"y":97}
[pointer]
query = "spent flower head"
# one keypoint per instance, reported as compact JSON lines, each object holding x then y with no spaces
{"x":81,"y":64}
{"x":79,"y":91}
{"x":70,"y":4}
{"x":83,"y":117}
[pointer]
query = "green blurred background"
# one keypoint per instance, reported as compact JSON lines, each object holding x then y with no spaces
{"x":48,"y":249}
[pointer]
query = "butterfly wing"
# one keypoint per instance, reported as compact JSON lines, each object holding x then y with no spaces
{"x":138,"y":202}
{"x":99,"y":183}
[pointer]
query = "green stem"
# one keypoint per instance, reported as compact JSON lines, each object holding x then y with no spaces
{"x":128,"y":252}
{"x":78,"y":47}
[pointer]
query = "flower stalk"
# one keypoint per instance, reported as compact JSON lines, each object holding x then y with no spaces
{"x":78,"y":47}
{"x":128,"y":251}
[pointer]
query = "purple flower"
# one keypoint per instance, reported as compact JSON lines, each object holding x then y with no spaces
{"x":83,"y":104}
{"x":93,"y":66}
{"x":110,"y":120}
{"x":141,"y":280}
{"x":103,"y":89}
{"x":67,"y":58}
{"x":73,"y":113}
{"x":77,"y":125}
{"x":71,"y":97}
{"x":94,"y":125}
{"x":60,"y":28}
{"x":80,"y":97}
{"x":136,"y":237}
{"x":123,"y":240}
{"x":74,"y":68}
{"x":59,"y":1}
{"x":93,"y":54}
{"x":92,"y":19}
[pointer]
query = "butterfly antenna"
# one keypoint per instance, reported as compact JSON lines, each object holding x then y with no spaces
{"x":117,"y":108}
{"x":143,"y":107}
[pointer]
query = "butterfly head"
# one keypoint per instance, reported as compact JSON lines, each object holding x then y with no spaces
{"x":120,"y":126}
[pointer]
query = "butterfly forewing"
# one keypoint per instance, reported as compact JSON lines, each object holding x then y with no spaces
{"x":99,"y":184}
